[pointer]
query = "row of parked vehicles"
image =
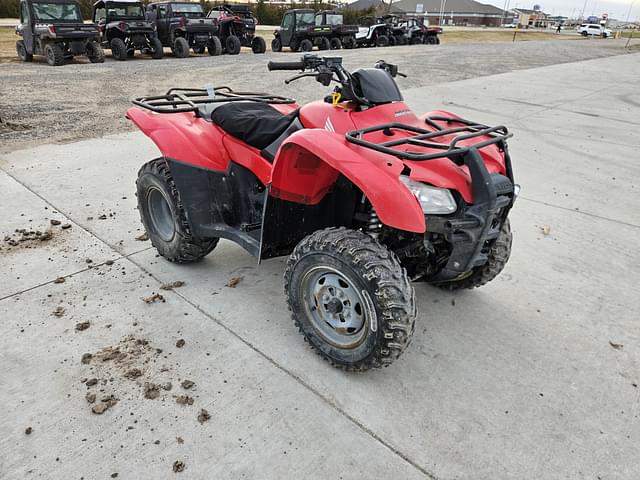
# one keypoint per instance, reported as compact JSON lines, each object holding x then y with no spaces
{"x":55,"y":29}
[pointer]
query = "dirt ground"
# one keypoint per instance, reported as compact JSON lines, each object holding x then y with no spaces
{"x":42,"y":104}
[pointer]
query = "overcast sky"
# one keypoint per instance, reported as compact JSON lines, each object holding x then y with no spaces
{"x":617,"y":9}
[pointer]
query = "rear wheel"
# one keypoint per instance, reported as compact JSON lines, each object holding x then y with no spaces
{"x":336,"y":44}
{"x":54,"y":54}
{"x":393,"y":41}
{"x":94,"y":52}
{"x":22,"y":52}
{"x":306,"y":45}
{"x":258,"y":45}
{"x":180,"y":47}
{"x":164,"y":218}
{"x":214,"y":47}
{"x":382,"y":41}
{"x":350,"y":298}
{"x":584,"y":34}
{"x":324,"y":43}
{"x":157,"y":51}
{"x":431,"y":40}
{"x":118,"y":49}
{"x":498,"y":258}
{"x":348,"y":42}
{"x":294,"y":45}
{"x":276,"y":45}
{"x":232,"y":45}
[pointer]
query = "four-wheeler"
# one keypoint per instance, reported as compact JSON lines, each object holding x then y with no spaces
{"x":182,"y":25}
{"x":236,"y":28}
{"x":123,"y":29}
{"x":299,"y":32}
{"x":342,"y":36}
{"x":54,"y":28}
{"x":362,"y":194}
{"x":372,"y":32}
{"x":398,"y":33}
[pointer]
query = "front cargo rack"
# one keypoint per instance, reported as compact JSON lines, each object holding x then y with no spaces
{"x":179,"y":100}
{"x":429,"y":138}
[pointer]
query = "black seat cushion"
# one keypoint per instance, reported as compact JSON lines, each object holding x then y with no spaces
{"x":257,"y":124}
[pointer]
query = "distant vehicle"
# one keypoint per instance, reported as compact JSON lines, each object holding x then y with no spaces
{"x":54,"y":28}
{"x":123,"y":29}
{"x":182,"y":25}
{"x":299,"y":32}
{"x":510,"y":25}
{"x":372,"y":32}
{"x":342,"y":36}
{"x":587,"y":29}
{"x":419,"y":31}
{"x":237,"y":28}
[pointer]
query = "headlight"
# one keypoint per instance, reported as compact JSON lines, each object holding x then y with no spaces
{"x":432,"y":199}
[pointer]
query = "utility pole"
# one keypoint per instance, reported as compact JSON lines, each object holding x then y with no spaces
{"x":584,"y":7}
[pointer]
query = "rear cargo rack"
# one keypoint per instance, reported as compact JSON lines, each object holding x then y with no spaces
{"x":179,"y":100}
{"x":429,"y":138}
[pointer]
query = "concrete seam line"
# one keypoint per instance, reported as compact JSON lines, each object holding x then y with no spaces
{"x":69,"y":275}
{"x":580,"y":212}
{"x":362,"y":427}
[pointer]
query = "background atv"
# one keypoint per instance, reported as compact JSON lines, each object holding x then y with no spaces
{"x":372,"y":32}
{"x":54,"y":28}
{"x":342,"y":36}
{"x":236,"y":28}
{"x":182,"y":25}
{"x":299,"y":32}
{"x":361,"y":193}
{"x":123,"y":29}
{"x":398,"y":34}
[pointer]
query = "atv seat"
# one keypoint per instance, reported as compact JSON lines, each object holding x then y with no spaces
{"x":257,"y":124}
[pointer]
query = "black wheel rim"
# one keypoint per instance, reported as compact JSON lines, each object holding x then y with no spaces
{"x":160,"y":215}
{"x":51,"y":58}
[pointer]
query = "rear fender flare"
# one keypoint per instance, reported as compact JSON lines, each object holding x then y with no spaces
{"x":309,"y":162}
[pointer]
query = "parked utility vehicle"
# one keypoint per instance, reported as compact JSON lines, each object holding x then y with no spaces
{"x":182,"y":25}
{"x":236,"y":27}
{"x":587,"y":29}
{"x":342,"y":36}
{"x":123,"y":29}
{"x":362,"y":194}
{"x":372,"y":32}
{"x":418,"y":30}
{"x":54,"y":28}
{"x":299,"y":32}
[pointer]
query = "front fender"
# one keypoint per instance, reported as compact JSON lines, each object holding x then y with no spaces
{"x":309,"y":162}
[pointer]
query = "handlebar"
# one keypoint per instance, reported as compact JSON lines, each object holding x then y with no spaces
{"x":299,"y":65}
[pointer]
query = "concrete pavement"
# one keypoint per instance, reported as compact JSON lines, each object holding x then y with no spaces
{"x":532,"y":376}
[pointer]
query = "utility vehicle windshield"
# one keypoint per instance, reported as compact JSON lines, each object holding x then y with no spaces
{"x":331,"y":19}
{"x":124,"y":10}
{"x":56,"y":11}
{"x":305,"y":19}
{"x":187,"y":9}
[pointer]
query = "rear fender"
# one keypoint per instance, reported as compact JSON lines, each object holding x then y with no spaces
{"x":309,"y":162}
{"x":183,"y":137}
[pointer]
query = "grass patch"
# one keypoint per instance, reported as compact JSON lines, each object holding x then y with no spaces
{"x":474,"y":36}
{"x":8,"y":39}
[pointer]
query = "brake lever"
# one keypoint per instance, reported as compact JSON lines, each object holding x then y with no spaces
{"x":401,"y":74}
{"x":298,"y":77}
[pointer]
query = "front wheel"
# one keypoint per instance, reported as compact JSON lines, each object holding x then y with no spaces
{"x":118,"y":49}
{"x":382,"y":41}
{"x":498,"y":257}
{"x":431,"y":40}
{"x":21,"y":49}
{"x":350,"y":298}
{"x":94,"y":52}
{"x":258,"y":45}
{"x":232,"y":45}
{"x":180,"y":47}
{"x":214,"y":47}
{"x":276,"y":45}
{"x":164,"y":218}
{"x":157,"y":52}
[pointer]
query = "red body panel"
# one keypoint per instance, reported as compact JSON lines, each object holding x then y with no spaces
{"x":308,"y":163}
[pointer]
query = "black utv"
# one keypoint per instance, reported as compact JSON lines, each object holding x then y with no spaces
{"x":342,"y":36}
{"x":124,"y":29}
{"x":237,"y":28}
{"x":54,"y":28}
{"x":182,"y":25}
{"x":299,"y":32}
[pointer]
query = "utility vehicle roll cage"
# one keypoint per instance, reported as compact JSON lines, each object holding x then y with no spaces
{"x":428,"y":138}
{"x":178,"y":100}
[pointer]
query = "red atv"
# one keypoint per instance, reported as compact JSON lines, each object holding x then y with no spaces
{"x":363,"y":195}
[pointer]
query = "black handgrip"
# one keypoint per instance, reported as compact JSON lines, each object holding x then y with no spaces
{"x":299,"y":65}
